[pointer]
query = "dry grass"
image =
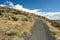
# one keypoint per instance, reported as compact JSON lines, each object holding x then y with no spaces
{"x":22,"y":26}
{"x":22,"y":22}
{"x":54,"y":30}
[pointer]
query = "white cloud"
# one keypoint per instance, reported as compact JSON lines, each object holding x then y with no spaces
{"x":53,"y":15}
{"x":20,"y":7}
{"x":10,"y":3}
{"x":2,"y":5}
{"x":50,"y":15}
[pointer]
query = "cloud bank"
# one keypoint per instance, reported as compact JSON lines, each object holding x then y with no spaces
{"x":50,"y":15}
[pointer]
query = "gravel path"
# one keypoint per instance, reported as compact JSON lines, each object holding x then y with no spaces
{"x":40,"y":32}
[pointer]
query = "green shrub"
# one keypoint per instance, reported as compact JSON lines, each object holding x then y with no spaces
{"x":1,"y":14}
{"x":8,"y":18}
{"x":25,"y":13}
{"x":29,"y":17}
{"x":56,"y":24}
{"x":24,"y":19}
{"x":15,"y":18}
{"x":11,"y":32}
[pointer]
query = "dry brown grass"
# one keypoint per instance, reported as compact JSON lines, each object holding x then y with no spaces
{"x":24,"y":24}
{"x":54,"y":30}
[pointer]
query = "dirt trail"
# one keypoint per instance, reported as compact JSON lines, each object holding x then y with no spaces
{"x":40,"y":32}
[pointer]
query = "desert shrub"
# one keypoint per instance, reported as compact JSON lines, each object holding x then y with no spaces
{"x":24,"y":19}
{"x":1,"y":10}
{"x":1,"y":14}
{"x":24,"y":34}
{"x":29,"y":17}
{"x":15,"y":12}
{"x":15,"y":18}
{"x":25,"y":13}
{"x":11,"y":32}
{"x":54,"y":33}
{"x":8,"y":18}
{"x":55,"y":24}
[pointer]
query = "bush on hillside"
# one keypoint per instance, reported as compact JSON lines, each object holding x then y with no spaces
{"x":15,"y":18}
{"x":55,"y":24}
{"x":11,"y":32}
{"x":25,"y":19}
{"x":1,"y":14}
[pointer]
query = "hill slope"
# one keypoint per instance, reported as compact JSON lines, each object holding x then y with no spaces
{"x":15,"y":24}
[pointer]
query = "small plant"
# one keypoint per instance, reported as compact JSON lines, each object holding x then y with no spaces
{"x":25,"y":19}
{"x":55,"y":24}
{"x":29,"y":17}
{"x":11,"y":32}
{"x":1,"y":14}
{"x":25,"y":13}
{"x":15,"y":18}
{"x":15,"y":12}
{"x":8,"y":18}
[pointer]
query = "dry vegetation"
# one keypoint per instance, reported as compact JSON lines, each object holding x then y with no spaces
{"x":54,"y":27}
{"x":15,"y":24}
{"x":56,"y":24}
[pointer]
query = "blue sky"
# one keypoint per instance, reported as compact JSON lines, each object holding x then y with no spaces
{"x":47,"y":8}
{"x":45,"y":5}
